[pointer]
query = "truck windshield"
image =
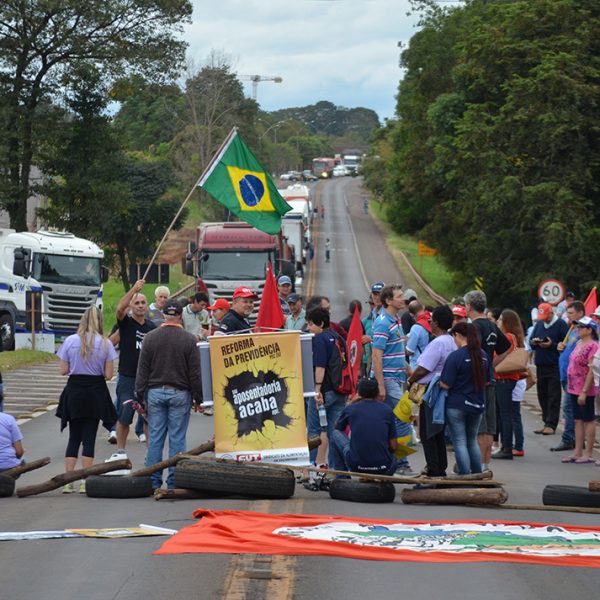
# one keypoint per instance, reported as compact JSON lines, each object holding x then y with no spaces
{"x":234,"y":265}
{"x":74,"y":270}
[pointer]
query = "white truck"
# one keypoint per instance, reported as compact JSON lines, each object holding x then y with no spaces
{"x":64,"y":270}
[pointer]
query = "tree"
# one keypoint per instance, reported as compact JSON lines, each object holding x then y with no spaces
{"x":42,"y":43}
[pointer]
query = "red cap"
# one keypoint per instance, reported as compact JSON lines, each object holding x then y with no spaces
{"x":544,"y":309}
{"x":459,"y":311}
{"x":244,"y":292}
{"x":219,"y":303}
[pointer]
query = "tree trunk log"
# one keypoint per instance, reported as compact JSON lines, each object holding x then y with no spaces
{"x":594,"y":486}
{"x":170,"y":462}
{"x":478,"y":496}
{"x":30,"y":466}
{"x":472,"y":476}
{"x":63,"y":478}
{"x":180,"y":494}
{"x":575,"y":509}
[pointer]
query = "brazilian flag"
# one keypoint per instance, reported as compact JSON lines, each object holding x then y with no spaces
{"x":236,"y":179}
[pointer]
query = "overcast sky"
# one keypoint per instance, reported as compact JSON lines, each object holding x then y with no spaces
{"x":344,"y":51}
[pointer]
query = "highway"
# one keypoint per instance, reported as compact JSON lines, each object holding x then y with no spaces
{"x":123,"y":569}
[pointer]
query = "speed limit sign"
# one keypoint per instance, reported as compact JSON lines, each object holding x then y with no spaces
{"x":552,"y":291}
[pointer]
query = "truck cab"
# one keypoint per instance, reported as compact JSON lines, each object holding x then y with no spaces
{"x":64,"y":270}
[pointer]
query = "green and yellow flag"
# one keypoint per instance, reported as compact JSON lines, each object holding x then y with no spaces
{"x":236,"y":179}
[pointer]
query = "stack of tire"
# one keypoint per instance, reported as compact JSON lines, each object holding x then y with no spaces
{"x":570,"y":495}
{"x":118,"y":486}
{"x":7,"y":486}
{"x":372,"y":492}
{"x":250,"y":480}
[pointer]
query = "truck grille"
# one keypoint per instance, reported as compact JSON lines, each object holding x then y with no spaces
{"x":63,"y":312}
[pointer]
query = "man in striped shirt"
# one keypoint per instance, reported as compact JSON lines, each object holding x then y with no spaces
{"x":389,"y":360}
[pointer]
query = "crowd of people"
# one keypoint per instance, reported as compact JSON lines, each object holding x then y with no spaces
{"x":464,"y":366}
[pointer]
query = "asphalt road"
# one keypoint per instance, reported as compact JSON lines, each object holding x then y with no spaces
{"x":123,"y":569}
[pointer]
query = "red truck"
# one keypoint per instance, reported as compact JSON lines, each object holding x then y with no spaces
{"x":228,"y":255}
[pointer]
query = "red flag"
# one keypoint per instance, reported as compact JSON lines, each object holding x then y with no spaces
{"x":591,"y":302}
{"x":457,"y":540}
{"x":354,"y":345}
{"x":270,"y":315}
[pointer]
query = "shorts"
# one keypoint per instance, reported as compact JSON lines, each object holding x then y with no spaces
{"x":583,"y":413}
{"x":125,"y":391}
{"x":488,"y":423}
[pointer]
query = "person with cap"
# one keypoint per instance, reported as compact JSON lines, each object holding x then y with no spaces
{"x":169,"y":373}
{"x":407,"y":319}
{"x":376,"y":297}
{"x":242,"y":305}
{"x":296,"y":320}
{"x":218,"y":310}
{"x":459,"y":313}
{"x":195,"y":317}
{"x":284,"y":288}
{"x":133,"y":325}
{"x":373,"y":439}
{"x":574,"y":312}
{"x":547,"y":333}
{"x":583,"y":390}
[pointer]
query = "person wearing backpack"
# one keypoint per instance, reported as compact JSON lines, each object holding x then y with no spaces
{"x":389,"y":362}
{"x":329,"y":360}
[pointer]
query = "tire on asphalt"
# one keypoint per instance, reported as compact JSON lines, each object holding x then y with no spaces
{"x":7,"y":331}
{"x":362,"y":491}
{"x":570,"y":495}
{"x":251,"y":480}
{"x":7,"y":486}
{"x":118,"y":486}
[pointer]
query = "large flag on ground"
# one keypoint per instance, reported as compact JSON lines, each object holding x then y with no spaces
{"x":237,"y":180}
{"x":355,"y":348}
{"x":459,"y":540}
{"x":270,"y":314}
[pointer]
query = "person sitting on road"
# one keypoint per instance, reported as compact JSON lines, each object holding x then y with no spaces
{"x":87,"y":358}
{"x":11,"y":445}
{"x":373,"y":440}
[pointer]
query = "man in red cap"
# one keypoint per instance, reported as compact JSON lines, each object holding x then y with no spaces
{"x":219,"y":309}
{"x":236,"y":320}
{"x":548,"y":332}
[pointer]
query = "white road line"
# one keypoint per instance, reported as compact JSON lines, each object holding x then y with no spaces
{"x":360,"y":263}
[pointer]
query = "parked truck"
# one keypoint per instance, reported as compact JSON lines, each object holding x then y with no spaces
{"x":228,"y":255}
{"x":64,"y":270}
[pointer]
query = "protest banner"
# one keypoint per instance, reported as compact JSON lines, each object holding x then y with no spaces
{"x":257,"y":389}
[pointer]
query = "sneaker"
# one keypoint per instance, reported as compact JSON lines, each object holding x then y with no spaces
{"x":142,"y":438}
{"x":112,"y":437}
{"x":209,"y":411}
{"x":118,"y":455}
{"x":406,"y":472}
{"x":82,"y":487}
{"x":68,"y":488}
{"x":518,"y":452}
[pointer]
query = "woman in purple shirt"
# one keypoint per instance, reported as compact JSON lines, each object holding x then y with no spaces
{"x":87,"y":358}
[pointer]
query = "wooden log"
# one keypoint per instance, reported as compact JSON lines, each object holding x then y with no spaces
{"x":368,"y":477}
{"x":471,"y":496}
{"x":180,"y":494}
{"x":30,"y":466}
{"x":472,"y":476}
{"x":64,"y":478}
{"x":575,"y":509}
{"x":594,"y":486}
{"x":171,"y":462}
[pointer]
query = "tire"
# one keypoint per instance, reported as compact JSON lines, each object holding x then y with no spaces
{"x":7,"y":331}
{"x":118,"y":486}
{"x":362,"y":491}
{"x":253,"y":480}
{"x":570,"y":495}
{"x":7,"y":486}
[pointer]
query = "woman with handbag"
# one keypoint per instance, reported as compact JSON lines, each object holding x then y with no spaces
{"x":510,"y":325}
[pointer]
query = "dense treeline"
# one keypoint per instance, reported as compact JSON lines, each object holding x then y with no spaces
{"x":494,"y":156}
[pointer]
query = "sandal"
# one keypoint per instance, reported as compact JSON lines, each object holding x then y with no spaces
{"x":548,"y":431}
{"x":570,"y":459}
{"x":583,"y":461}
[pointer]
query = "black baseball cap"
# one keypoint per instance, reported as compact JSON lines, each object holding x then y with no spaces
{"x":172,"y":307}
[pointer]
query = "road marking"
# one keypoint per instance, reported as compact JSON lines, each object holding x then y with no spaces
{"x":258,"y":576}
{"x":310,"y":286}
{"x":360,"y":263}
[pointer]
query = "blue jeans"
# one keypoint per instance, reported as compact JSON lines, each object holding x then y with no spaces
{"x":334,"y":405}
{"x":340,"y":445}
{"x":568,"y":436}
{"x":168,"y":412}
{"x":393,"y":393}
{"x":517,"y":426}
{"x":463,"y":428}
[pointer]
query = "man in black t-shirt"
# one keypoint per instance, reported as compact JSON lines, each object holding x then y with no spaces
{"x":133,"y":327}
{"x":492,"y":341}
{"x":236,"y":320}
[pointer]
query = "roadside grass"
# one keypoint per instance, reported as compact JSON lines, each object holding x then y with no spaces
{"x":114,"y":291}
{"x":22,"y":358}
{"x":431,"y":268}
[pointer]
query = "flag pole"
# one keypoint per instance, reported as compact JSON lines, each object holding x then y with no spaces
{"x":208,"y":168}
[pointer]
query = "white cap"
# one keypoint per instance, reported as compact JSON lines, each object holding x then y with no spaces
{"x":410,"y":293}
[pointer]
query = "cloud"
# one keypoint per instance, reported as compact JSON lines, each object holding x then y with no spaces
{"x":343,"y":51}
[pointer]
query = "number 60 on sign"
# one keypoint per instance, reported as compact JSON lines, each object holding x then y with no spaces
{"x":551,"y":290}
